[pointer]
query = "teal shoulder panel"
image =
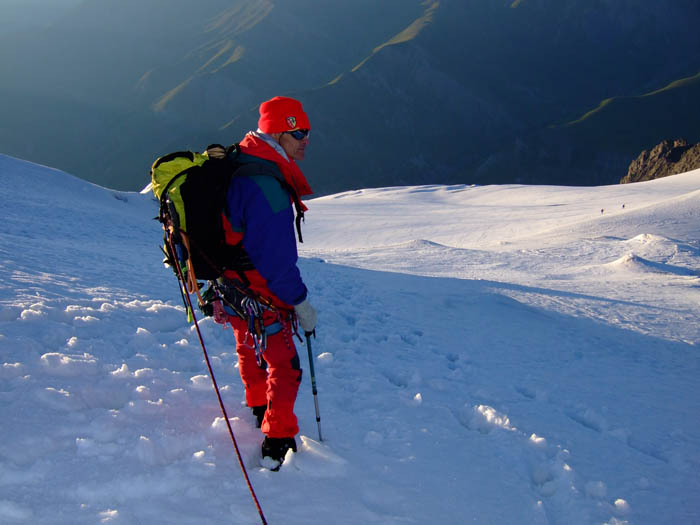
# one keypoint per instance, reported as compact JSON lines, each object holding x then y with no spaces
{"x":267,"y":177}
{"x":277,"y":197}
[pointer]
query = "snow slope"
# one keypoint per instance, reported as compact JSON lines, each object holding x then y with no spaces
{"x":496,"y":355}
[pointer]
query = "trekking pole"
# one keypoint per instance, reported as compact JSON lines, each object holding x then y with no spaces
{"x":218,"y":395}
{"x":313,"y":380}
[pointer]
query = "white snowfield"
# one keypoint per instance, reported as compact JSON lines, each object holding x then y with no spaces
{"x":489,"y":355}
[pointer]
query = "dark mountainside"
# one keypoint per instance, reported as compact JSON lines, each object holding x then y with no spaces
{"x":399,"y":91}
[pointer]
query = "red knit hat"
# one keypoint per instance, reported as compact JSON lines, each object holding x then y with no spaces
{"x":281,"y":114}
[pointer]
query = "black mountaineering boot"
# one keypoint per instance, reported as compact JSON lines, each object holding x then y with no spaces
{"x":276,"y":449}
{"x":259,"y":413}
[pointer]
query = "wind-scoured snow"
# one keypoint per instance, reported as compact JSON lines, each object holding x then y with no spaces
{"x":492,"y":355}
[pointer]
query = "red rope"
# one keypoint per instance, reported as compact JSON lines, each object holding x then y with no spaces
{"x":216,"y":388}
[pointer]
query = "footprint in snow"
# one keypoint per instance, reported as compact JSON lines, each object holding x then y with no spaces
{"x":314,"y":459}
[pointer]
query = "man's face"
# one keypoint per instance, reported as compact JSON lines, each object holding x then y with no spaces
{"x":295,"y":148}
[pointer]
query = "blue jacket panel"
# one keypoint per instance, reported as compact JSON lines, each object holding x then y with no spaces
{"x":260,"y":208}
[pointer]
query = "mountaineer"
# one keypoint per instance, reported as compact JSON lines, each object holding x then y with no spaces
{"x":260,"y":213}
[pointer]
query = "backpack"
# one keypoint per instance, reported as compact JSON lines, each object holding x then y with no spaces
{"x":191,"y":188}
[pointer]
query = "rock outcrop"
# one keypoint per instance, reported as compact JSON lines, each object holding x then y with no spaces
{"x":670,"y":157}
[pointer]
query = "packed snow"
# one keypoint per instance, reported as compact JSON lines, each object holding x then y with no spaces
{"x":492,"y":355}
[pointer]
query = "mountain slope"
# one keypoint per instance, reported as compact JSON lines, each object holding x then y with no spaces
{"x":668,"y":111}
{"x":540,"y":376}
{"x":384,"y":82}
{"x":170,"y":79}
{"x":498,"y":78}
{"x":603,"y":140}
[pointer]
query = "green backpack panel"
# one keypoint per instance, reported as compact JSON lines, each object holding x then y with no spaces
{"x":191,"y":188}
{"x":169,"y":172}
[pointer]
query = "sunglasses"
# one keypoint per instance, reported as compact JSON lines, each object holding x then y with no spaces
{"x":299,"y":134}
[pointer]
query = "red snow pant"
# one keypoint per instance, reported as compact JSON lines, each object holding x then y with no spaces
{"x":275,"y":387}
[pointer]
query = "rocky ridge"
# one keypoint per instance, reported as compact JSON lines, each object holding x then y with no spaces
{"x":670,"y":157}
